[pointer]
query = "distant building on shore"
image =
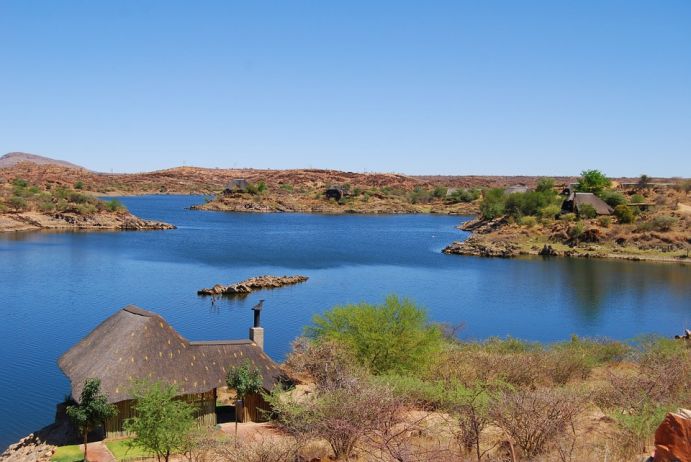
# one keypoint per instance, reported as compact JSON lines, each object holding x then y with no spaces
{"x":236,"y":185}
{"x":135,"y":344}
{"x":334,"y":192}
{"x":575,"y":200}
{"x":516,"y":188}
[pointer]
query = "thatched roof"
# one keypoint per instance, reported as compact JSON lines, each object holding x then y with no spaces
{"x":138,"y":344}
{"x":600,"y":206}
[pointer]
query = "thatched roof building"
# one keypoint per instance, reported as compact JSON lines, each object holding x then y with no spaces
{"x":576,"y":200}
{"x":137,"y":344}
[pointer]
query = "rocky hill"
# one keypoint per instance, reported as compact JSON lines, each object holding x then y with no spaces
{"x":13,"y":158}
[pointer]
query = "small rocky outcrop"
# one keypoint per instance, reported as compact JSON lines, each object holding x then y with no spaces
{"x":34,"y":221}
{"x":673,"y":437}
{"x":28,"y":449}
{"x":252,"y":284}
{"x":482,"y":226}
{"x":479,"y":248}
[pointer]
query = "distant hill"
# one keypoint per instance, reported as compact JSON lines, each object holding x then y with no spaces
{"x":13,"y":158}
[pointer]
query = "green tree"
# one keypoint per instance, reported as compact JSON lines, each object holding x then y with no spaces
{"x":162,"y":424}
{"x":392,"y":337}
{"x":492,"y":205}
{"x":593,"y":181}
{"x":245,"y":380}
{"x":92,"y":411}
{"x":79,"y":185}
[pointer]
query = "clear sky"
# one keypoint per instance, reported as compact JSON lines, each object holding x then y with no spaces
{"x":420,"y":87}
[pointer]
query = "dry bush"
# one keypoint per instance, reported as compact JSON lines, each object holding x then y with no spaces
{"x":263,"y":450}
{"x":662,"y":376}
{"x":329,"y":364}
{"x":535,"y":418}
{"x":344,"y":417}
{"x":470,"y":366}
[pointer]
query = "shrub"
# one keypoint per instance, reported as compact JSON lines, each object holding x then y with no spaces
{"x":604,"y":221}
{"x":419,"y":196}
{"x":527,"y":203}
{"x":613,"y":198}
{"x":575,"y":231}
{"x":663,"y":223}
{"x":528,"y":221}
{"x":114,"y":205}
{"x":287,"y":187}
{"x":263,"y":450}
{"x":534,"y":418}
{"x":463,"y":195}
{"x":342,"y":417}
{"x":639,"y":426}
{"x":394,"y":336}
{"x":624,"y":214}
{"x":587,"y":211}
{"x":46,"y":205}
{"x":20,"y":183}
{"x":549,"y":212}
{"x":545,"y":185}
{"x":18,"y":203}
{"x":439,"y":192}
{"x":78,"y":198}
{"x":79,"y":185}
{"x":637,"y":198}
{"x":329,"y":364}
{"x":568,"y":217}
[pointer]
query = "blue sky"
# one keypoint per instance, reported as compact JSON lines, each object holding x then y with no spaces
{"x":483,"y":87}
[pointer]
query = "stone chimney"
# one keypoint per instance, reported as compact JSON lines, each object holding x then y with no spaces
{"x":257,"y":331}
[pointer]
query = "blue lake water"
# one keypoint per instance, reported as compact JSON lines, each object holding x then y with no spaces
{"x":56,"y":287}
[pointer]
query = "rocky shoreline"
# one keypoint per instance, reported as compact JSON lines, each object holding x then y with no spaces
{"x":487,"y":240}
{"x":252,"y":284}
{"x":36,"y":221}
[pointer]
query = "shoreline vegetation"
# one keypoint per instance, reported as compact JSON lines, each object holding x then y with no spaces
{"x":383,"y":383}
{"x":638,"y":221}
{"x":649,"y":219}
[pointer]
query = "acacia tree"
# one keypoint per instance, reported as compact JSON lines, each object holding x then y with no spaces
{"x":161,"y":424}
{"x":93,"y":409}
{"x":245,"y":380}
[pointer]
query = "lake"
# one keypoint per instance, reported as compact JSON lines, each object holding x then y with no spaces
{"x":56,"y":287}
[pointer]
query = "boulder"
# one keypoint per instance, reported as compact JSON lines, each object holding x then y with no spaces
{"x":673,"y":438}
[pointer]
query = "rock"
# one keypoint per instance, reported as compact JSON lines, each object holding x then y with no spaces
{"x":673,"y":438}
{"x":252,"y":284}
{"x":478,"y":248}
{"x":30,"y":221}
{"x":548,"y":251}
{"x":28,"y":449}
